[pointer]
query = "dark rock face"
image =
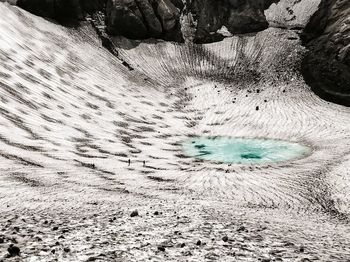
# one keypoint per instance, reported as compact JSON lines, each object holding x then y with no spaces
{"x":326,"y":67}
{"x":66,"y":10}
{"x":91,"y":6}
{"x":124,"y":18}
{"x":62,"y":10}
{"x":43,"y":8}
{"x":236,"y":15}
{"x":139,"y":19}
{"x":178,"y":3}
{"x":150,"y":18}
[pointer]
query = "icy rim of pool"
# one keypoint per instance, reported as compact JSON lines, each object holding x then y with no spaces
{"x":244,"y":150}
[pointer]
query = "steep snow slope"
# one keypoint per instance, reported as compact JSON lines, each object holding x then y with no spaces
{"x":72,"y":115}
{"x":291,"y":13}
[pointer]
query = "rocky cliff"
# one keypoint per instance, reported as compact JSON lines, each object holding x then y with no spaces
{"x":140,"y":19}
{"x":64,"y":11}
{"x":57,"y":9}
{"x":327,"y":65}
{"x":235,"y":15}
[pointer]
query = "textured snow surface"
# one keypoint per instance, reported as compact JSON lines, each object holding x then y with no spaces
{"x":291,"y":13}
{"x":72,"y":115}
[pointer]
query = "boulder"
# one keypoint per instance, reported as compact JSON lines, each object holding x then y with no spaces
{"x":151,"y":20}
{"x":326,"y":67}
{"x":238,"y":16}
{"x":167,"y":12}
{"x":139,"y":19}
{"x":123,"y":17}
{"x":209,"y":17}
{"x":13,"y":250}
{"x":246,"y":21}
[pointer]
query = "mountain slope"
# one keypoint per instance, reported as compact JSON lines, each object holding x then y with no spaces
{"x":72,"y":115}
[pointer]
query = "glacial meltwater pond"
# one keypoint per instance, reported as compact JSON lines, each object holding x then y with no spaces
{"x":244,"y":150}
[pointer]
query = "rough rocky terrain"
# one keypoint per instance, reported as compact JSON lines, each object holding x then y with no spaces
{"x":236,"y":16}
{"x":63,"y":11}
{"x":327,"y":66}
{"x":72,"y":115}
{"x":140,"y":19}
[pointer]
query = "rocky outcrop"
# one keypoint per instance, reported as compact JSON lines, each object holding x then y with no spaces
{"x":62,"y":10}
{"x":327,"y":65}
{"x":139,"y":19}
{"x":136,"y":19}
{"x":124,"y":18}
{"x":91,"y":6}
{"x":236,"y":16}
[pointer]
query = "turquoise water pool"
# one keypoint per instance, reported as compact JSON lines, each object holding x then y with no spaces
{"x":243,"y":150}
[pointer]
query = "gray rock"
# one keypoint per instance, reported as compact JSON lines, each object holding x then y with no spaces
{"x":161,"y":248}
{"x":238,"y":16}
{"x":178,"y":3}
{"x":167,"y":13}
{"x":241,"y":228}
{"x":124,"y":18}
{"x":326,"y":68}
{"x":13,"y":250}
{"x":62,"y":10}
{"x":134,"y":213}
{"x":140,"y":19}
{"x":153,"y":24}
